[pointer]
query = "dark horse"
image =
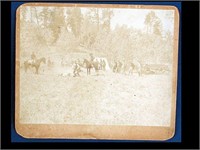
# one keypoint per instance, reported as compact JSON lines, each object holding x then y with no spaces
{"x":90,"y":65}
{"x":36,"y":64}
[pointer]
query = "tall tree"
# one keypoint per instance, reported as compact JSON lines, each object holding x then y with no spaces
{"x":94,"y":15}
{"x":107,"y":15}
{"x":157,"y":27}
{"x":57,"y":21}
{"x":153,"y":24}
{"x":149,"y":21}
{"x":74,"y":19}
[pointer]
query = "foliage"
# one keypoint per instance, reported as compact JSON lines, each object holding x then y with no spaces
{"x":72,"y":30}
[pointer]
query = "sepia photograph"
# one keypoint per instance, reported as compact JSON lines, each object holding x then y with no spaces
{"x":95,"y":65}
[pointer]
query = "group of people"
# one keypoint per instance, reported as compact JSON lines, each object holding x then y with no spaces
{"x":101,"y":62}
{"x":127,"y":68}
{"x":77,"y":64}
{"x":119,"y":67}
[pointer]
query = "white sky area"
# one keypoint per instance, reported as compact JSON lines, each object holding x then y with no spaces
{"x":133,"y":18}
{"x":136,"y":17}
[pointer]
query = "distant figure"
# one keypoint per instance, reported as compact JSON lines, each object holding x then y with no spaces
{"x":62,"y":63}
{"x":115,"y":67}
{"x":79,"y":62}
{"x":76,"y":69}
{"x":91,"y":57}
{"x":119,"y":66}
{"x":36,"y":65}
{"x":33,"y":58}
{"x":88,"y":65}
{"x":49,"y":62}
{"x":103,"y":65}
{"x":131,"y":69}
{"x":98,"y":63}
{"x":124,"y":67}
{"x":135,"y":66}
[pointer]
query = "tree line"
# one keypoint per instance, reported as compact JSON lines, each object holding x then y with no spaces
{"x":71,"y":30}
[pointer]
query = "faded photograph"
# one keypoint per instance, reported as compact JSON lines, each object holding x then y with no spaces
{"x":95,"y":66}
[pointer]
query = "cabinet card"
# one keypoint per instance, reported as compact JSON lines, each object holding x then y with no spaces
{"x":96,"y":71}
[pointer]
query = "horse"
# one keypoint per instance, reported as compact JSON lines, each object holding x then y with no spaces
{"x":90,"y":65}
{"x":36,"y":64}
{"x":135,"y":66}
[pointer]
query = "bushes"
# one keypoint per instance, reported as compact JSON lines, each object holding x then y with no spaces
{"x":90,"y":34}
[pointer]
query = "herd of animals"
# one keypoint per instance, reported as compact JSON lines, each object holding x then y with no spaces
{"x":96,"y":64}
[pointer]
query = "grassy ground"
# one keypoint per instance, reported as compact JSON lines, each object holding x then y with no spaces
{"x":109,"y":98}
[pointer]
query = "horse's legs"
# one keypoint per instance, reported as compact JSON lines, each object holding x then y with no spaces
{"x":87,"y":71}
{"x":139,"y":72}
{"x":78,"y":73}
{"x":36,"y":70}
{"x":74,"y":73}
{"x":97,"y":71}
{"x":130,"y":71}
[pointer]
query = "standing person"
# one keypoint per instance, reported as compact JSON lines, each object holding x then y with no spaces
{"x":79,"y":62}
{"x":115,"y":67}
{"x":74,"y":66}
{"x":104,"y":65}
{"x":49,"y":62}
{"x":124,"y":66}
{"x":119,"y":67}
{"x":76,"y":69}
{"x":132,"y":68}
{"x":62,"y":63}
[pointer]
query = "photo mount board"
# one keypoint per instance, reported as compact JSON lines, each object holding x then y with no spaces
{"x":82,"y":131}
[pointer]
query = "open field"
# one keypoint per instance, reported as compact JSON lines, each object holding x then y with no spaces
{"x":107,"y":99}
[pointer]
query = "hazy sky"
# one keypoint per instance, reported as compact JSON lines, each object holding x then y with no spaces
{"x":134,"y":17}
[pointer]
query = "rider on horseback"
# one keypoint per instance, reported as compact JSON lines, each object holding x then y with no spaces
{"x":91,"y":57}
{"x":33,"y":58}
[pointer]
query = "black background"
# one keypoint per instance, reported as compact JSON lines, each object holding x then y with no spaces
{"x":190,"y":88}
